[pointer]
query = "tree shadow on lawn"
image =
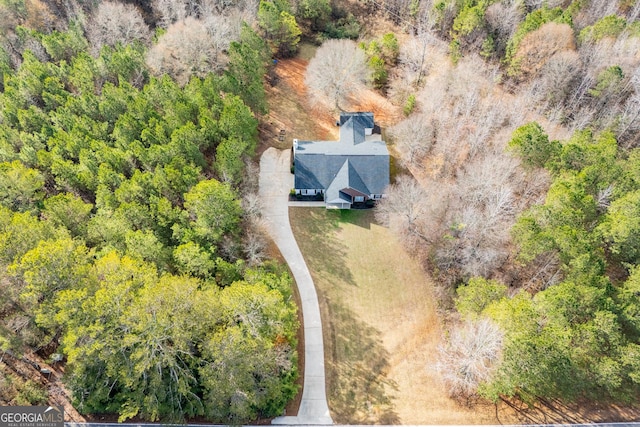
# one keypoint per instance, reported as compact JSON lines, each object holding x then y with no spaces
{"x":359,"y":390}
{"x":555,"y":411}
{"x":362,"y":218}
{"x":357,"y":363}
{"x":323,"y":251}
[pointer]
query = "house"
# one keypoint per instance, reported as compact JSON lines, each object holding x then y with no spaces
{"x":354,"y":169}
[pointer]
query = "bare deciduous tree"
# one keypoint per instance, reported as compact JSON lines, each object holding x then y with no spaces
{"x":537,"y":4}
{"x":414,"y":57}
{"x":218,"y":7}
{"x":482,"y":208}
{"x":603,"y":198}
{"x":472,"y":189}
{"x":222,"y":31}
{"x":115,"y":22}
{"x":254,"y":246}
{"x":590,"y":88}
{"x":540,"y":45}
{"x":634,"y":12}
{"x":237,"y":11}
{"x":337,"y":71}
{"x":557,"y":79}
{"x":186,"y":49}
{"x":40,"y":17}
{"x":503,"y":17}
{"x":594,"y":11}
{"x":630,"y":122}
{"x":413,"y":139}
{"x":169,"y":11}
{"x":470,"y":356}
{"x":409,"y":211}
{"x":252,"y":206}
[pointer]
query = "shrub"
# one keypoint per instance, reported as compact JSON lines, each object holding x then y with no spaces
{"x":32,"y":393}
{"x":343,"y":28}
{"x":410,"y":105}
{"x":378,"y":72}
{"x":609,"y":26}
{"x":532,"y":22}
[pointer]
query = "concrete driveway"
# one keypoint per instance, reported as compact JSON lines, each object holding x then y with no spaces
{"x":276,"y":181}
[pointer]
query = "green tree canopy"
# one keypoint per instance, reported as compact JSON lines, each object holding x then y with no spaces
{"x":21,"y":188}
{"x":214,"y":211}
{"x":279,"y":26}
{"x":479,"y":293}
{"x":533,"y":146}
{"x":68,"y":211}
{"x":247,"y":66}
{"x":577,"y":338}
{"x":169,"y":347}
{"x":103,"y":201}
{"x":621,"y":227}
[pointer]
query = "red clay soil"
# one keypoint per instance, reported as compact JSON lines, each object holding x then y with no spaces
{"x":290,"y":114}
{"x":290,"y":110}
{"x":29,"y":368}
{"x":385,"y":113}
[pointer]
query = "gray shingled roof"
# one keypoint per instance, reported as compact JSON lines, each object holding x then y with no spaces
{"x":351,"y":132}
{"x":352,"y":126}
{"x":365,"y":119}
{"x":346,"y":177}
{"x":369,"y":147}
{"x":356,"y":161}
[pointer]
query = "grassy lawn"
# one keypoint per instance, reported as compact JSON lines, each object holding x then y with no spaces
{"x":380,"y":327}
{"x":381,"y":332}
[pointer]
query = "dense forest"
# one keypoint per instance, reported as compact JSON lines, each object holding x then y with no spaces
{"x":129,"y":228}
{"x":131,"y":241}
{"x":523,"y":195}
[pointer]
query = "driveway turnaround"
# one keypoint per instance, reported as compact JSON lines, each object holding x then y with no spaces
{"x":276,"y":181}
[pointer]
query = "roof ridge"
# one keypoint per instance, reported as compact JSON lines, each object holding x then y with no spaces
{"x":356,"y":174}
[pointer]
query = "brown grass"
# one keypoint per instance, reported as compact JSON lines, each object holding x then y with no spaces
{"x":380,"y":325}
{"x":290,"y":110}
{"x":381,"y":333}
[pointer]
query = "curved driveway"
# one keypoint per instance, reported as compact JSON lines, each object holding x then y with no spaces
{"x":276,"y":181}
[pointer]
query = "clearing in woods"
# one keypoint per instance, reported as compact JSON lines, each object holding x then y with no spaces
{"x":291,"y":115}
{"x":381,"y":330}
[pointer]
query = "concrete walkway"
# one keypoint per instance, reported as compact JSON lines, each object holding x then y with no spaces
{"x":275,"y":183}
